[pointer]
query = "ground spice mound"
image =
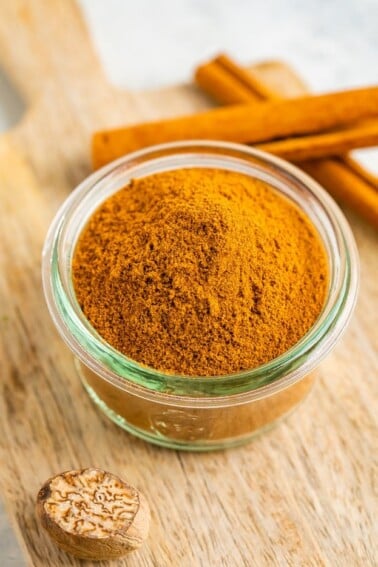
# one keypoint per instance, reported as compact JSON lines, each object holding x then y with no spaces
{"x":200,"y":272}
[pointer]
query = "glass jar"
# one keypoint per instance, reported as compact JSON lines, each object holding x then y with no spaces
{"x":198,"y":413}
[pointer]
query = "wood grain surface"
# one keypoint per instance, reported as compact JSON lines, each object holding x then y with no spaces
{"x":304,"y":494}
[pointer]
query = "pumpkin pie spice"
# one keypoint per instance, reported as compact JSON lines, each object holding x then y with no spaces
{"x":200,"y":272}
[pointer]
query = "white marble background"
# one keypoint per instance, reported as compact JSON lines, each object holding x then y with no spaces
{"x":150,"y":43}
{"x":147,"y":43}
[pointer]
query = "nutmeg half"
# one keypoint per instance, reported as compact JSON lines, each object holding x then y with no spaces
{"x":93,"y":514}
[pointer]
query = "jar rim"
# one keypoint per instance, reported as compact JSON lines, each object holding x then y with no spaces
{"x":125,"y":373}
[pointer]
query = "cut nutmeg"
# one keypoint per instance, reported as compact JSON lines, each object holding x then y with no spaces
{"x":93,"y":514}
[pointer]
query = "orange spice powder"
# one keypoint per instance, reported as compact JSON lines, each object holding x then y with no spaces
{"x":200,"y":272}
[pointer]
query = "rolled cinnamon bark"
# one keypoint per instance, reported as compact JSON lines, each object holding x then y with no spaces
{"x":342,"y":176}
{"x":251,"y":123}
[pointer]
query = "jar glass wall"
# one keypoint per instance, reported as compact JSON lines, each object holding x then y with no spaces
{"x":198,"y":412}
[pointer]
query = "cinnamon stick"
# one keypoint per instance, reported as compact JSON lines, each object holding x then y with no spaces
{"x":345,"y":186}
{"x":252,"y":123}
{"x":343,"y":177}
{"x":229,"y":83}
{"x":360,"y":135}
{"x":357,"y":168}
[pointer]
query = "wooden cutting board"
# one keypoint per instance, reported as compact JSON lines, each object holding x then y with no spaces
{"x":303,"y":494}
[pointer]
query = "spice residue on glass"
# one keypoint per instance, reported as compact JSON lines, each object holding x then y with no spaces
{"x":200,"y":272}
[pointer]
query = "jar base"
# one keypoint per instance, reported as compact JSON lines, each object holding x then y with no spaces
{"x":161,"y":440}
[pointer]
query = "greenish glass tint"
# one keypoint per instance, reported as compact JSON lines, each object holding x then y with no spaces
{"x":132,"y":379}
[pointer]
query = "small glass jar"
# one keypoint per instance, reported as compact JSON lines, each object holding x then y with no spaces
{"x":198,"y":413}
